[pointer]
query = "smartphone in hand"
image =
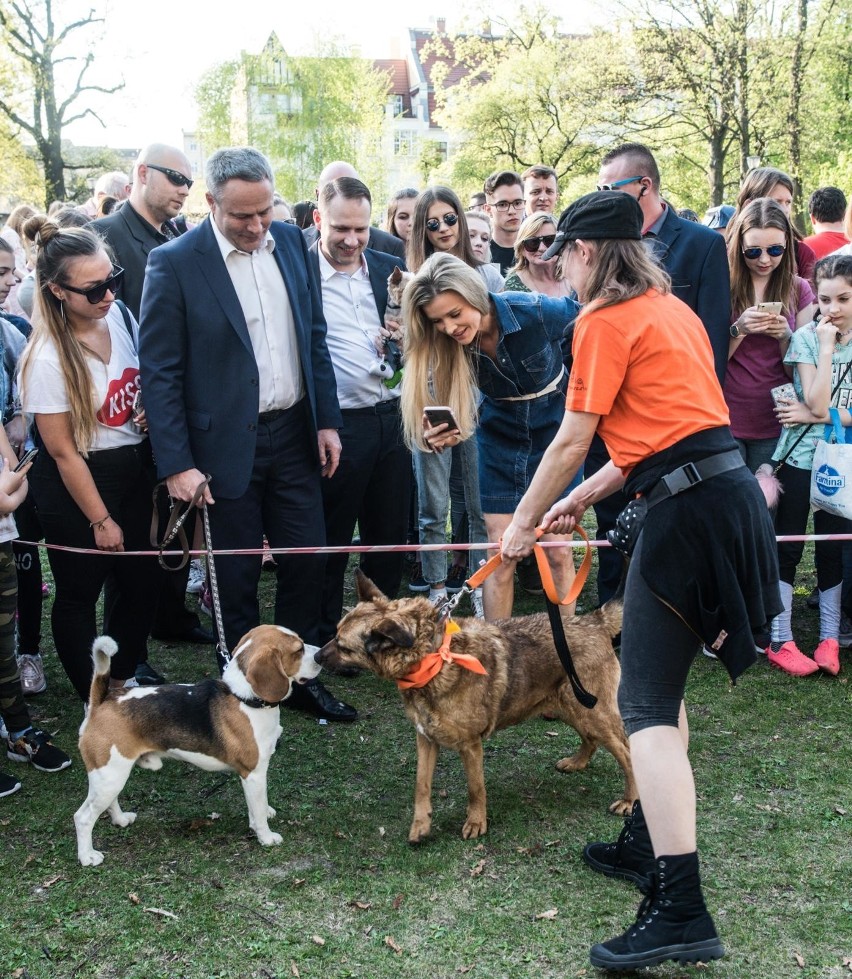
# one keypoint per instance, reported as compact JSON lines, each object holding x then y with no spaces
{"x":440,"y":414}
{"x":28,"y":456}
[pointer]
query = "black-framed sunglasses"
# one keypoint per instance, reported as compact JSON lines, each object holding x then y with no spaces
{"x":773,"y":252}
{"x":533,"y":243}
{"x":450,"y":220}
{"x":173,"y":176}
{"x":95,"y":294}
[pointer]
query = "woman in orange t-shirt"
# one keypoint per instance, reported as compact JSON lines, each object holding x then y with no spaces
{"x":643,"y":379}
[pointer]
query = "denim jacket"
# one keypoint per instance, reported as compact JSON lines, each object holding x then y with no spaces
{"x":534,"y":337}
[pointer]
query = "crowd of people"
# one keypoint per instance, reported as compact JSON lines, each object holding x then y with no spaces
{"x":267,"y":363}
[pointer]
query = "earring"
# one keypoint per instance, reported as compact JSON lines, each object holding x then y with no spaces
{"x":62,"y":311}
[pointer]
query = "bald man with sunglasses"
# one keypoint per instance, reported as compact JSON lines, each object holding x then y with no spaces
{"x":162,"y":178}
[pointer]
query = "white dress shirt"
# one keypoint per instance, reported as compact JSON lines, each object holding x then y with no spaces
{"x":259,"y":284}
{"x":353,"y":330}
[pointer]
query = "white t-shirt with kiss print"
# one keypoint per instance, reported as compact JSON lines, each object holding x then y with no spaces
{"x":114,"y":384}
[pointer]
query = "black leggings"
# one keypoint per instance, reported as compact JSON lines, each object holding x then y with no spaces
{"x":792,"y":518}
{"x":124,"y":478}
{"x":657,"y":649}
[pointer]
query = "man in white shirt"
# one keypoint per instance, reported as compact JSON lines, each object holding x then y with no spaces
{"x":238,"y":384}
{"x":372,"y":482}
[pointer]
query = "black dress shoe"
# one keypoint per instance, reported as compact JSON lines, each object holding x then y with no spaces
{"x":315,"y":699}
{"x":147,"y":676}
{"x":196,"y":635}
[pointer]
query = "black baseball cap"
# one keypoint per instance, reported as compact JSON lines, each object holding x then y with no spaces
{"x":601,"y":214}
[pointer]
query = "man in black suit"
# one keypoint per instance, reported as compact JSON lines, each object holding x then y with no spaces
{"x":239,"y":385}
{"x":372,"y":482}
{"x":162,"y":178}
{"x":697,"y":262}
{"x":379,"y":241}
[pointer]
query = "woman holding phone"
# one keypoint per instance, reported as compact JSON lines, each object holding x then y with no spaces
{"x":93,"y":477}
{"x":439,"y":226}
{"x":768,"y":302}
{"x":699,"y":571}
{"x":463,"y":340}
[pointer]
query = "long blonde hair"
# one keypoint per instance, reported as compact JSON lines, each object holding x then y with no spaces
{"x":55,"y":248}
{"x":438,"y":369}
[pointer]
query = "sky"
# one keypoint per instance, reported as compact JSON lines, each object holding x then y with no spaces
{"x":161,"y":48}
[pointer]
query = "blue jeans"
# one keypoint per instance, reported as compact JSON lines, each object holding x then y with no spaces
{"x":432,"y":472}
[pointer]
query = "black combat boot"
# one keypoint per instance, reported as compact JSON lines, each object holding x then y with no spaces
{"x":630,"y":857}
{"x":672,"y":924}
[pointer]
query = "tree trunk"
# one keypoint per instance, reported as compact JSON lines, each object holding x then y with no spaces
{"x":716,"y":167}
{"x":794,"y":122}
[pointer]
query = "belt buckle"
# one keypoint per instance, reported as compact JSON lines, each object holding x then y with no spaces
{"x":682,"y":478}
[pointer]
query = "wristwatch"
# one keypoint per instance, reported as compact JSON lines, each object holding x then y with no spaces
{"x":735,"y":331}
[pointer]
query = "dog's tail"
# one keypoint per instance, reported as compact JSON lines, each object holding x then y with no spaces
{"x":611,"y":615}
{"x":103,"y":650}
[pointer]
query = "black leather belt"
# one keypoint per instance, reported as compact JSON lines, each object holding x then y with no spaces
{"x":265,"y":417}
{"x":685,"y":477}
{"x":379,"y":408}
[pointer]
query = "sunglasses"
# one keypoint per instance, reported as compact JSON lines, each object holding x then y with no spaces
{"x":533,"y":244}
{"x":173,"y":176}
{"x":773,"y":252}
{"x":449,"y":220}
{"x":95,"y":294}
{"x":620,"y":183}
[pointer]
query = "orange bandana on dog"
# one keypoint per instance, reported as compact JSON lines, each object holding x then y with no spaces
{"x":430,"y":666}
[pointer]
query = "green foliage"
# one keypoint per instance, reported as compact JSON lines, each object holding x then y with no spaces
{"x":213,"y":97}
{"x":20,"y":180}
{"x":303,"y":112}
{"x":532,"y":95}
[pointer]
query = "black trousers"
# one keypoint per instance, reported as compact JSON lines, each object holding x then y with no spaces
{"x":372,"y":486}
{"x":30,"y":580}
{"x":791,"y":518}
{"x":283,"y":501}
{"x":124,"y":478}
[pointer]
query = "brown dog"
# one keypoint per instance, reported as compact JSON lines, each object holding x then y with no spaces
{"x":460,"y":708}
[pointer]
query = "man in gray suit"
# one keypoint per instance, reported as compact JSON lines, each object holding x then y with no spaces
{"x":379,"y":241}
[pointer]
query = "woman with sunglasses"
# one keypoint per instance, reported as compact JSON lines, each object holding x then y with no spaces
{"x":463,"y":340}
{"x":762,"y":262}
{"x":778,"y":186}
{"x":439,"y":226}
{"x":531,"y":271}
{"x":93,"y":477}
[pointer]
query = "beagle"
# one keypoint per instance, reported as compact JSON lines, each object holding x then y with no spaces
{"x":229,"y":723}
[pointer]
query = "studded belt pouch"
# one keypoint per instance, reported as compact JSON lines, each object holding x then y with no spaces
{"x":628,"y":526}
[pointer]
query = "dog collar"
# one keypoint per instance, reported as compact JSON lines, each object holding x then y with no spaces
{"x":432,"y":664}
{"x":257,"y":702}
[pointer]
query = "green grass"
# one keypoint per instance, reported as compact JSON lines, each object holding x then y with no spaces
{"x":346,"y":896}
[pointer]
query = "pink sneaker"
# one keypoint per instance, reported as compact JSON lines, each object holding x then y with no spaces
{"x":792,"y":660}
{"x":827,"y":656}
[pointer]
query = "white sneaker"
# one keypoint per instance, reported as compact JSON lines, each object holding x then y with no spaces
{"x":476,"y":602}
{"x":708,"y":652}
{"x":197,"y":577}
{"x":32,"y":674}
{"x":438,"y":597}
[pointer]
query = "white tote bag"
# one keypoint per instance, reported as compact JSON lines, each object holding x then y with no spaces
{"x":831,"y":475}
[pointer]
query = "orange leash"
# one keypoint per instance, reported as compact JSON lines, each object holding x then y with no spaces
{"x":547,"y":582}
